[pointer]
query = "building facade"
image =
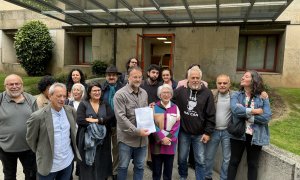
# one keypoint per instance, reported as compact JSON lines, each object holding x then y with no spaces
{"x":272,"y":48}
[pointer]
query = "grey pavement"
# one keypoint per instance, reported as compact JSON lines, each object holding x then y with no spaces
{"x":147,"y":172}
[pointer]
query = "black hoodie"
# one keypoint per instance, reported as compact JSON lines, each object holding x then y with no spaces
{"x":197,"y":110}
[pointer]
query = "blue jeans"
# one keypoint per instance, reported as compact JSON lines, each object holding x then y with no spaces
{"x":217,"y":137}
{"x":184,"y":142}
{"x":59,"y":175}
{"x":125,"y":154}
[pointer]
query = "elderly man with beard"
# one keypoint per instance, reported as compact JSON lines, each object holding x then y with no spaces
{"x":197,"y":111}
{"x":132,"y":140}
{"x":15,"y":108}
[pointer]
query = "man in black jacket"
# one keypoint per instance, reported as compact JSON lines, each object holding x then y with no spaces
{"x":197,"y":111}
{"x":110,"y":87}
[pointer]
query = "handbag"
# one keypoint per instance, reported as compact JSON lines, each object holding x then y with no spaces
{"x":238,"y":128}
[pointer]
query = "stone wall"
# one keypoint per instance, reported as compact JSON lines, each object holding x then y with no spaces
{"x":274,"y":164}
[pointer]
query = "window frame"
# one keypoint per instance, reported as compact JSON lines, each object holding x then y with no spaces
{"x":84,"y":61}
{"x":267,"y":36}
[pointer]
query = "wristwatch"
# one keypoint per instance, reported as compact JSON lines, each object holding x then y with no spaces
{"x":101,"y":119}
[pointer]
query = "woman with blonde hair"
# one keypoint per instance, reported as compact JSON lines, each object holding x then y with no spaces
{"x":77,"y":94}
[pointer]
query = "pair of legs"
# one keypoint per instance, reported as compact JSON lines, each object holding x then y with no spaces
{"x":159,"y":161}
{"x":10,"y":161}
{"x":253,"y":153}
{"x":217,"y":137}
{"x":184,"y":142}
{"x":191,"y":160}
{"x":115,"y":151}
{"x":125,"y":154}
{"x":64,"y":174}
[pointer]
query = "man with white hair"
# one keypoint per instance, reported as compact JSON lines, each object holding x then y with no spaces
{"x":15,"y":108}
{"x":197,"y":111}
{"x":51,"y":134}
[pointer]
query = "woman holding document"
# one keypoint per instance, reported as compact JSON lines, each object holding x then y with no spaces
{"x":164,"y":141}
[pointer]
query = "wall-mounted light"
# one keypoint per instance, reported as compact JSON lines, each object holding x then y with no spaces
{"x":167,"y":42}
{"x":161,"y":38}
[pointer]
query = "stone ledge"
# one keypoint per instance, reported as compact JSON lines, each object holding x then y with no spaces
{"x":274,"y":163}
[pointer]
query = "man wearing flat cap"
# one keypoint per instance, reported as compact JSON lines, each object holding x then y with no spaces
{"x":110,"y":87}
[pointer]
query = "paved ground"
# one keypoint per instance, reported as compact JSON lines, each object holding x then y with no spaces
{"x":147,"y":173}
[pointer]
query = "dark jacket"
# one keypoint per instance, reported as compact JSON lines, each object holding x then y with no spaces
{"x":104,"y":98}
{"x":151,"y":91}
{"x":102,"y":166}
{"x":197,"y":110}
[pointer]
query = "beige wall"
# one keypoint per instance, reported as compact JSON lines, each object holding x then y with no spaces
{"x":70,"y":49}
{"x":8,"y":50}
{"x":57,"y":62}
{"x":126,"y":46}
{"x":5,"y":6}
{"x":291,"y":13}
{"x":290,"y":73}
{"x":291,"y":66}
{"x":214,"y":48}
{"x":102,"y":43}
{"x":15,"y":19}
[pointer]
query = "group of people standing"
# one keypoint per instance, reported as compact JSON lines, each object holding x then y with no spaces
{"x":95,"y":125}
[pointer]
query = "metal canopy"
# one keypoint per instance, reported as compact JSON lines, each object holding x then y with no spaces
{"x":116,"y":13}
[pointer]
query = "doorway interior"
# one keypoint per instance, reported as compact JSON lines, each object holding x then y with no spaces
{"x":155,"y":49}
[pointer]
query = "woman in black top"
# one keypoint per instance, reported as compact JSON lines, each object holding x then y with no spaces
{"x":94,"y":112}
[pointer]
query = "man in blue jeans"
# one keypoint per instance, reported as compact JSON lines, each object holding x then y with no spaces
{"x":197,"y":111}
{"x":132,"y":140}
{"x":220,"y":135}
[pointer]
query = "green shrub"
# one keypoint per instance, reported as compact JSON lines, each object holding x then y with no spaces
{"x":61,"y":77}
{"x":33,"y":46}
{"x":99,"y":67}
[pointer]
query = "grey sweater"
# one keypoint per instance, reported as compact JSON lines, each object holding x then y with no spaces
{"x":223,"y":112}
{"x":13,"y":117}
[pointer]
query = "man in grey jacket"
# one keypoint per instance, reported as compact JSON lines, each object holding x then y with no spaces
{"x":15,"y":108}
{"x":132,"y":140}
{"x":51,"y":135}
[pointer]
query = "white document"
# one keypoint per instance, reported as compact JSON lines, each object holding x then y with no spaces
{"x":144,"y":119}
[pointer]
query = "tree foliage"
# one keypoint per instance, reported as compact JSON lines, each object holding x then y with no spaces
{"x":33,"y":46}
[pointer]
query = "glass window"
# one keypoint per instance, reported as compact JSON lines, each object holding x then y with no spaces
{"x":85,"y":49}
{"x":241,"y":52}
{"x":257,"y":52}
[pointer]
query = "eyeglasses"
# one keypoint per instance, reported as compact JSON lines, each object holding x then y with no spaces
{"x":14,"y":84}
{"x":225,"y":83}
{"x":165,"y":93}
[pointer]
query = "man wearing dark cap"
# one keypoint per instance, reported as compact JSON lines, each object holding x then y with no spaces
{"x":110,"y":87}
